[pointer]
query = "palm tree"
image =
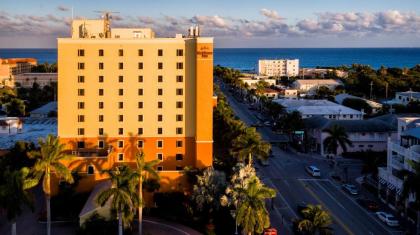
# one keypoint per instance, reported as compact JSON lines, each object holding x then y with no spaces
{"x":316,"y":220}
{"x":48,"y":161}
{"x":143,"y":170}
{"x":251,"y":213}
{"x":249,"y":143}
{"x":411,"y":186}
{"x":122,"y":195}
{"x":337,"y":137}
{"x":14,"y":194}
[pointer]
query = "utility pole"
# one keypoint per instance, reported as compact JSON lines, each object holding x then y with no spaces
{"x":371,"y":85}
{"x":386,"y":90}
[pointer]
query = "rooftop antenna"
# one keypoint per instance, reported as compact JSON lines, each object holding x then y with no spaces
{"x":106,"y":15}
{"x":72,"y":13}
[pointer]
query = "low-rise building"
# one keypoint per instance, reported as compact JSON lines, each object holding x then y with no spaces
{"x":311,"y":85}
{"x":320,"y":73}
{"x":374,"y":105}
{"x":10,"y":125}
{"x":288,"y":93}
{"x":27,"y":80}
{"x":251,"y":80}
{"x":279,"y":67}
{"x":13,"y":66}
{"x":270,"y":93}
{"x":324,"y":108}
{"x":45,"y":110}
{"x":406,"y":97}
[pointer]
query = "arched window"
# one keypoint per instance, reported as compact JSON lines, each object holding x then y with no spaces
{"x":90,"y":170}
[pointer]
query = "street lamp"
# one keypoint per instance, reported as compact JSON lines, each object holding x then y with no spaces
{"x":233,"y":213}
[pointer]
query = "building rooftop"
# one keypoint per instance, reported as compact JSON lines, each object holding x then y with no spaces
{"x":17,"y":60}
{"x":341,"y":97}
{"x":413,"y":132}
{"x":413,"y":94}
{"x":36,"y":74}
{"x":46,"y":108}
{"x":315,"y":107}
{"x":318,"y":82}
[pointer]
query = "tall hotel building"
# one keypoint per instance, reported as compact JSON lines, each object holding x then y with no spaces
{"x":122,"y":90}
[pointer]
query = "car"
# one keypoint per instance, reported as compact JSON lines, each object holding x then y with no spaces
{"x":368,"y":204}
{"x":350,"y":188}
{"x":267,"y":123}
{"x":388,"y":219}
{"x":313,"y":171}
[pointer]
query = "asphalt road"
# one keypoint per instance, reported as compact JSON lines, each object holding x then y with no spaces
{"x":286,"y":174}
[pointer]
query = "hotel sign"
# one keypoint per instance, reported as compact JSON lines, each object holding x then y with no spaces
{"x":205,"y":52}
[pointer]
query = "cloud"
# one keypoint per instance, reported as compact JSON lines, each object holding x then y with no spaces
{"x":63,"y":8}
{"x":271,"y":14}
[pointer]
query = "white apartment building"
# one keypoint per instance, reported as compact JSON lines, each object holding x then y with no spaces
{"x":311,"y":85}
{"x":279,"y":68}
{"x":406,"y":97}
{"x":400,"y":152}
{"x":27,"y":80}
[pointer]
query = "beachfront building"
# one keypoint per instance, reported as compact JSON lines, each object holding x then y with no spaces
{"x":13,"y":66}
{"x":27,"y":80}
{"x":279,"y":68}
{"x":406,"y":148}
{"x":121,"y":91}
{"x":311,"y":85}
{"x":323,"y":108}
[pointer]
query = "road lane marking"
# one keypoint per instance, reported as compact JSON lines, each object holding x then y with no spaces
{"x":281,"y":197}
{"x":329,"y":194}
{"x":312,"y":179}
{"x":344,"y":226}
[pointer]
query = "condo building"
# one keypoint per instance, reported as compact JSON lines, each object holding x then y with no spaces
{"x":123,"y":90}
{"x":279,"y":68}
{"x":11,"y":67}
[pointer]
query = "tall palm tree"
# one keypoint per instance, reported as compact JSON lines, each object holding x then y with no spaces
{"x":251,"y":213}
{"x":14,"y":194}
{"x":411,"y":186}
{"x":143,"y":169}
{"x":48,"y":161}
{"x":249,"y":143}
{"x":337,"y":137}
{"x":316,"y":221}
{"x":122,"y":195}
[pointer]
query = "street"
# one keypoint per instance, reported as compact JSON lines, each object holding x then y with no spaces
{"x":287,"y":175}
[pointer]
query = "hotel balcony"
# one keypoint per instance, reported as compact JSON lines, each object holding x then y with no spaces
{"x":412,"y":153}
{"x":90,"y":153}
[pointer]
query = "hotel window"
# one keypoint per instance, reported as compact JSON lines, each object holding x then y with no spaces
{"x":120,"y":92}
{"x":179,"y":157}
{"x":139,"y":143}
{"x":120,"y":131}
{"x":179,"y":143}
{"x":160,"y":78}
{"x":159,"y":130}
{"x":179,"y":52}
{"x":101,"y":92}
{"x":140,"y":131}
{"x":81,"y":52}
{"x":140,"y":78}
{"x":160,"y":91}
{"x":160,"y":52}
{"x":160,"y":168}
{"x":179,"y":130}
{"x":101,"y":118}
{"x":178,"y":168}
{"x":120,"y":118}
{"x":81,"y":105}
{"x":160,"y":118}
{"x":120,"y":105}
{"x":80,"y":131}
{"x":179,"y":65}
{"x":140,"y":105}
{"x":179,"y":78}
{"x":81,"y":79}
{"x":140,"y":52}
{"x":140,"y":118}
{"x":159,"y":144}
{"x":90,"y":170}
{"x":159,"y":156}
{"x":179,"y":117}
{"x":160,"y":65}
{"x":101,"y":65}
{"x":80,"y":144}
{"x":81,"y":66}
{"x":101,"y":131}
{"x":179,"y":91}
{"x":120,"y":65}
{"x":101,"y":144}
{"x":140,"y":65}
{"x":101,"y":105}
{"x":120,"y":143}
{"x":140,"y":91}
{"x":179,"y":104}
{"x":81,"y":118}
{"x":81,"y":92}
{"x":120,"y":52}
{"x":120,"y":157}
{"x":120,"y":78}
{"x":101,"y":52}
{"x":101,"y":79}
{"x":160,"y":104}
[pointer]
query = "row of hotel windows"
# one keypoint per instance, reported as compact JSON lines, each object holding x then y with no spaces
{"x":81,"y":65}
{"x":120,"y":144}
{"x":81,"y":79}
{"x":81,"y":91}
{"x":179,"y":131}
{"x":179,"y":118}
{"x":101,"y":105}
{"x":140,"y":52}
{"x":91,"y":168}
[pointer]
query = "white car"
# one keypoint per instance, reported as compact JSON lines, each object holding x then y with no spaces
{"x":313,"y":171}
{"x":387,"y":218}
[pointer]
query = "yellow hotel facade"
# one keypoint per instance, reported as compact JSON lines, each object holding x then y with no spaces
{"x":122,"y":90}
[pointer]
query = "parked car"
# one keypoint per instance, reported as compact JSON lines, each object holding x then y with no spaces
{"x":368,"y":204}
{"x":313,"y":171}
{"x":267,"y":123}
{"x":350,"y":188}
{"x":388,"y":219}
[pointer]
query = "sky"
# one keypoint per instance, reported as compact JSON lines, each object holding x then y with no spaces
{"x":233,"y":23}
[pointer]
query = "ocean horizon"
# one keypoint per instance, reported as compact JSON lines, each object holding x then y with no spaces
{"x":246,"y":59}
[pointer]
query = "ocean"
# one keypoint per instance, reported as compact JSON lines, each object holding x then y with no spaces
{"x":246,"y":58}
